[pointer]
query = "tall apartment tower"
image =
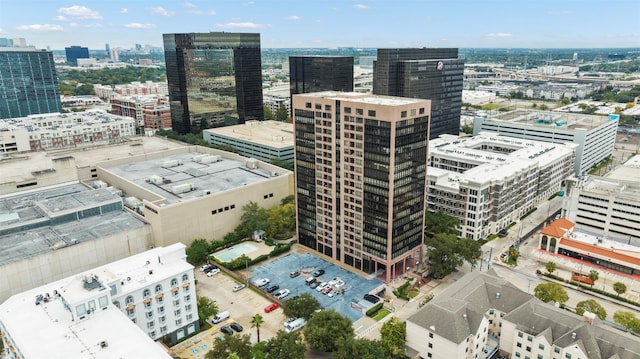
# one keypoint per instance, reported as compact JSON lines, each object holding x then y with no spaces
{"x":76,"y":52}
{"x":360,"y":163}
{"x":214,"y":79}
{"x":320,"y":73}
{"x":28,"y":82}
{"x":434,"y":74}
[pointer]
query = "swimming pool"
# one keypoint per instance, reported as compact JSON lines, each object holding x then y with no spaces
{"x":229,"y":254}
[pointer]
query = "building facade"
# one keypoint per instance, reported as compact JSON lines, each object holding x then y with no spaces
{"x":134,"y":88}
{"x":262,"y":140}
{"x":594,"y":135}
{"x":150,"y":111}
{"x":320,"y":73}
{"x":95,"y":314}
{"x":76,"y":52}
{"x":58,"y":131}
{"x":489,"y":181}
{"x":360,"y":164}
{"x":214,"y":79}
{"x":28,"y":82}
{"x":426,"y":73}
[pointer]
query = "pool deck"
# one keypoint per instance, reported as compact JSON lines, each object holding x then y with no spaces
{"x":262,"y":249}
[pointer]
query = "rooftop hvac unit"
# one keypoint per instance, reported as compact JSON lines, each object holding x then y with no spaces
{"x":252,"y":164}
{"x":132,"y":202}
{"x":171,"y":163}
{"x":210,"y":159}
{"x":182,"y":188}
{"x":99,"y":184}
{"x":198,"y":158}
{"x":114,"y":190}
{"x":155,"y":179}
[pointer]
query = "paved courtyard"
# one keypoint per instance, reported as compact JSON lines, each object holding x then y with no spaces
{"x":355,"y":286}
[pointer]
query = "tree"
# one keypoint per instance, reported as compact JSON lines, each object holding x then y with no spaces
{"x":548,"y":292}
{"x":224,"y":347}
{"x":281,"y":221}
{"x":627,"y":319}
{"x":282,"y":114}
{"x":565,"y":101}
{"x":447,"y":252}
{"x":325,"y":329}
{"x":440,"y":222}
{"x":550,"y":267}
{"x":351,"y":348}
{"x":286,"y":345}
{"x":619,"y":288}
{"x":594,"y":275}
{"x":268,"y":114}
{"x":302,"y":307}
{"x":253,"y":218}
{"x":198,"y":251}
{"x":393,"y":333}
{"x":544,"y":107}
{"x":206,"y":308}
{"x":592,"y":306}
{"x":256,"y":322}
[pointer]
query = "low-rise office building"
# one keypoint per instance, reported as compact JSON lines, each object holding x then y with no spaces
{"x":607,"y":206}
{"x":64,"y":130}
{"x":594,"y":135}
{"x":262,"y":140}
{"x":489,"y":181}
{"x":149,"y":111}
{"x":481,"y":315}
{"x":112,"y":311}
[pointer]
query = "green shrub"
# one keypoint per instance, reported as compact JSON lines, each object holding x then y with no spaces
{"x":279,"y":249}
{"x":373,"y":310}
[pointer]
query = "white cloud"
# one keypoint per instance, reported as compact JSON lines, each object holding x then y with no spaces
{"x":499,"y":34}
{"x":124,"y":10}
{"x":360,"y":6}
{"x":60,"y":18}
{"x":248,"y":3}
{"x":294,"y":17}
{"x":242,"y":25}
{"x":201,"y":12}
{"x":137,"y":25}
{"x":79,"y":12}
{"x":40,"y":27}
{"x":188,"y":4}
{"x":2,"y":31}
{"x":159,"y":10}
{"x":75,"y":24}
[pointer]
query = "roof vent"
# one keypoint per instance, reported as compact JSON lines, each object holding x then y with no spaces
{"x":464,"y":316}
{"x":574,"y":335}
{"x":497,"y":295}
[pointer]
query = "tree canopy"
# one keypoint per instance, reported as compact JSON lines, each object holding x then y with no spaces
{"x":627,"y":319}
{"x":253,"y":218}
{"x":394,"y":334}
{"x":80,"y":82}
{"x":286,"y":345}
{"x":256,"y":322}
{"x":619,"y":288}
{"x":550,"y":267}
{"x":325,"y":329}
{"x":594,"y":275}
{"x":351,"y":348}
{"x":447,"y":252}
{"x":550,"y":291}
{"x":206,"y":308}
{"x":197,"y":252}
{"x":592,"y":306}
{"x":222,"y":348}
{"x":440,"y":222}
{"x":302,"y":307}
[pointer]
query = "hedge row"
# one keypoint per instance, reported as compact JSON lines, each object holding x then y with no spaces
{"x":241,"y":262}
{"x":373,"y":310}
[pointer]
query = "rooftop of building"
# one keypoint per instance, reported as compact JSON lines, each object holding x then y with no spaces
{"x":104,"y":333}
{"x":29,"y":224}
{"x":63,"y":121}
{"x":551,"y":120}
{"x":20,"y":167}
{"x":628,"y":172}
{"x":183,"y":176}
{"x":365,"y":98}
{"x":488,"y":164}
{"x":274,"y":134}
{"x":21,"y":49}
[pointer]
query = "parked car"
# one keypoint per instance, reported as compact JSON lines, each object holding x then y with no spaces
{"x":271,"y":307}
{"x":310,"y":280}
{"x":224,"y":315}
{"x":331,"y":294}
{"x":210,"y":268}
{"x":204,"y":267}
{"x":294,"y":274}
{"x":236,"y":326}
{"x":327,"y":290}
{"x":322,"y":286}
{"x":273,"y":288}
{"x":282,"y":293}
{"x":213,"y":272}
{"x":318,"y":273}
{"x":226,"y":330}
{"x":371,"y":298}
{"x":261,"y":282}
{"x":314,"y":285}
{"x":239,"y":287}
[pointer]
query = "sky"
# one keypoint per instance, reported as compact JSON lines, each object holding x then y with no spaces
{"x":329,"y":23}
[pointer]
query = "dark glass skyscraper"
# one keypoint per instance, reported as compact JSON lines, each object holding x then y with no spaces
{"x":320,"y":73}
{"x":76,"y":52}
{"x":434,"y":74}
{"x":214,"y":79}
{"x":28,"y":82}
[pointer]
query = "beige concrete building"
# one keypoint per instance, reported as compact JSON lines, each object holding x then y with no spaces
{"x":481,"y":315}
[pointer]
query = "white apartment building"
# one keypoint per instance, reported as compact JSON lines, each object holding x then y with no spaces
{"x":273,"y":102}
{"x":489,"y":181}
{"x":607,"y":206}
{"x":134,"y":88}
{"x":112,"y":311}
{"x":594,"y":135}
{"x":481,"y":315}
{"x":63,"y":130}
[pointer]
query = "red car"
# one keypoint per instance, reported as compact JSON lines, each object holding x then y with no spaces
{"x":271,"y":307}
{"x":327,"y":290}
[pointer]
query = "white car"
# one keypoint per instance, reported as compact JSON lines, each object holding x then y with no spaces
{"x":282,"y":293}
{"x":213,"y":272}
{"x":322,"y":286}
{"x":331,"y":294}
{"x":261,"y":282}
{"x":204,"y":267}
{"x":238,"y":287}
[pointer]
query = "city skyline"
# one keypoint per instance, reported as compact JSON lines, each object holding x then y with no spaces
{"x":328,"y":24}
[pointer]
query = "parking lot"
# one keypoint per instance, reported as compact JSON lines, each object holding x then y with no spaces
{"x":354,"y":289}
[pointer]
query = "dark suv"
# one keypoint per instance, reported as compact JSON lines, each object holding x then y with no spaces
{"x":273,"y":288}
{"x":318,"y":273}
{"x":371,"y":298}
